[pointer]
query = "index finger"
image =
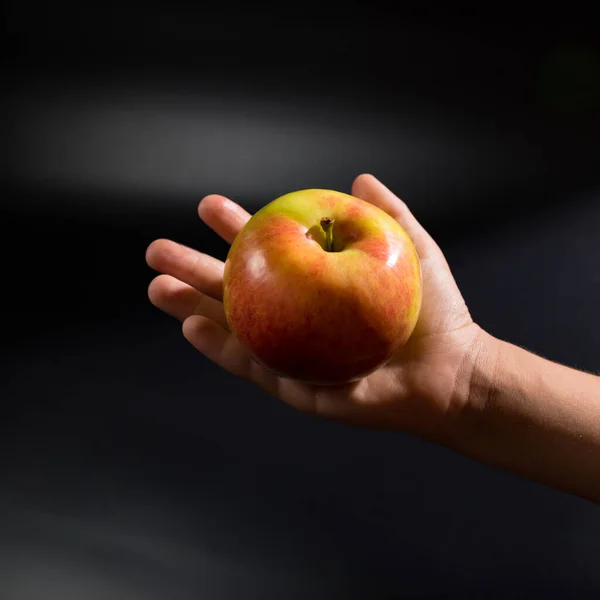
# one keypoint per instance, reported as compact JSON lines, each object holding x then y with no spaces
{"x":223,"y":216}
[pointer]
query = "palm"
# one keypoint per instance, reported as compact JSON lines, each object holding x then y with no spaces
{"x":413,"y":391}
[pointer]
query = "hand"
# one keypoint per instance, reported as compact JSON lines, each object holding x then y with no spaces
{"x":421,"y":387}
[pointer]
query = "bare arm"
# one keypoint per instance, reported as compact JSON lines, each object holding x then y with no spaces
{"x":512,"y":409}
{"x":533,"y":417}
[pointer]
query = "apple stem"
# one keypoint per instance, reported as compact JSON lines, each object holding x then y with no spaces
{"x":327,"y":225}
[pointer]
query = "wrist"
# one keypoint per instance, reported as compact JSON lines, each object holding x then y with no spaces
{"x":476,"y":386}
{"x":485,"y":375}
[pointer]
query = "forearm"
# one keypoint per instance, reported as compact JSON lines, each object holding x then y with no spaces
{"x":533,"y":417}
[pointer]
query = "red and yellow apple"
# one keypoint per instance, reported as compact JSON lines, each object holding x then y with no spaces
{"x":322,"y":287}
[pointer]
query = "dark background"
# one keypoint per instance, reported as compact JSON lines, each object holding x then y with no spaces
{"x":130,"y":467}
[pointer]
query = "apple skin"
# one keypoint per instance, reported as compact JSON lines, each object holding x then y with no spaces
{"x":318,"y":316}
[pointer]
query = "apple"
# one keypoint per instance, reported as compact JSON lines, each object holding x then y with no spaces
{"x":322,"y":287}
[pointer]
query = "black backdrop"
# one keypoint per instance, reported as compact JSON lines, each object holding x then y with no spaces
{"x":130,"y":467}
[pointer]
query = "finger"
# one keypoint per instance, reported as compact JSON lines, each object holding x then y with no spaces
{"x":369,"y":188}
{"x":223,"y":216}
{"x":225,"y":350}
{"x":180,"y":300}
{"x":199,"y":270}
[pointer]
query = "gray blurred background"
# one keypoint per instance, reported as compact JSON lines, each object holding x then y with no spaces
{"x":130,"y":467}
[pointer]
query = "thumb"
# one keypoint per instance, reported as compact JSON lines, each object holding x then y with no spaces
{"x":369,"y":188}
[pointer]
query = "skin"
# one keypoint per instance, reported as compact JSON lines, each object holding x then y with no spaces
{"x":452,"y":383}
{"x":305,"y":266}
{"x":415,"y":391}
